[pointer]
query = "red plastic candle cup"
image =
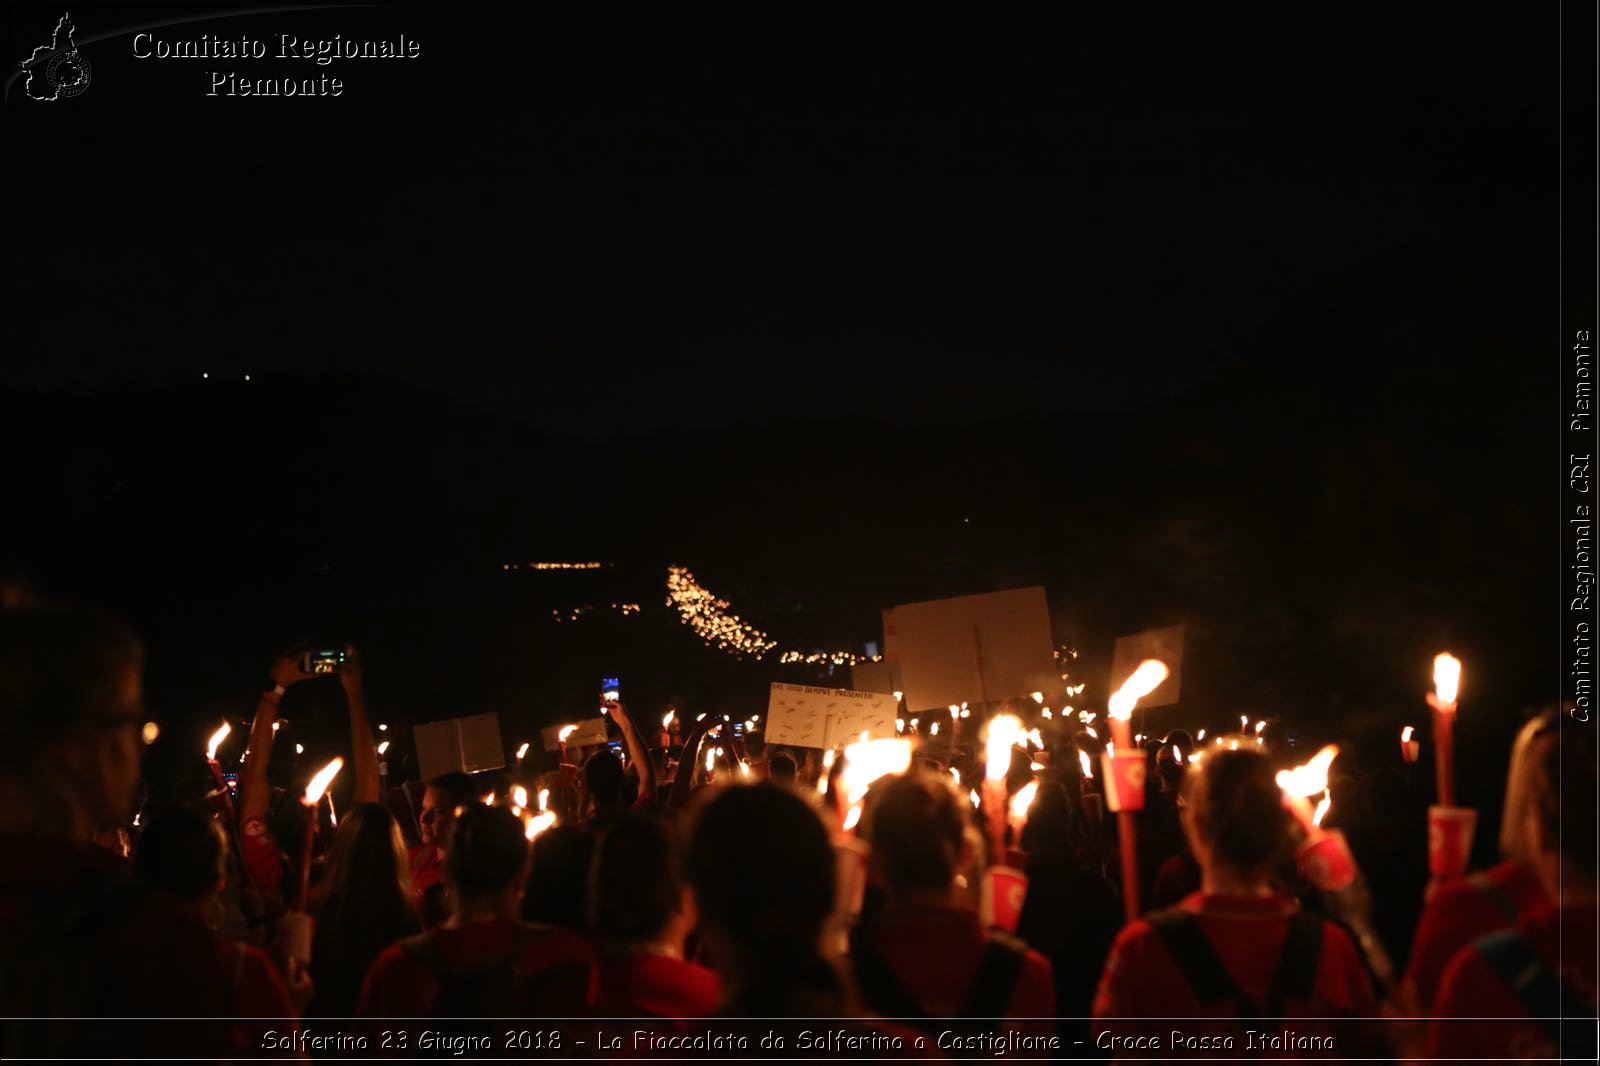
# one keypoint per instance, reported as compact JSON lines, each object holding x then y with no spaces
{"x":1327,"y":862}
{"x":1122,"y":776}
{"x":1450,"y":832}
{"x":1000,"y":901}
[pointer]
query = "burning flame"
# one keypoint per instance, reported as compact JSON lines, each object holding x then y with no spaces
{"x":1035,"y":738}
{"x":1446,"y":678}
{"x":216,"y":741}
{"x":1177,"y":755}
{"x":1260,"y":726}
{"x":933,"y":730}
{"x":487,"y":799}
{"x":1084,"y":763}
{"x":711,"y":759}
{"x":1310,"y":778}
{"x":852,"y":816}
{"x":1038,"y":697}
{"x":955,"y":774}
{"x":1090,"y":730}
{"x":544,"y":798}
{"x":666,"y":719}
{"x":1405,"y":735}
{"x":1045,"y":714}
{"x":1023,"y":800}
{"x":566,"y":731}
{"x":299,"y":749}
{"x":1004,"y":732}
{"x":973,"y":796}
{"x":955,"y":711}
{"x":381,"y":747}
{"x":899,"y":725}
{"x":522,"y":751}
{"x":1322,"y":809}
{"x":519,"y":796}
{"x":151,"y":733}
{"x":1143,"y":681}
{"x":898,"y":695}
{"x":319,"y":784}
{"x":867,"y":760}
{"x":534,"y":824}
{"x":1200,"y":735}
{"x":744,"y":769}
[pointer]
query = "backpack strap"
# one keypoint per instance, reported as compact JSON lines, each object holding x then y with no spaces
{"x":1495,"y":896}
{"x":1208,"y":979}
{"x":1538,"y":988}
{"x":996,"y":978}
{"x":1295,"y":977}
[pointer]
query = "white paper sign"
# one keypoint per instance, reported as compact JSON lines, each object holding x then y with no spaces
{"x":805,"y":717}
{"x":589,"y":731}
{"x":1164,"y":644}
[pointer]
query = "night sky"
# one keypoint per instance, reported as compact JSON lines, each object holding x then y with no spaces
{"x":1235,"y":315}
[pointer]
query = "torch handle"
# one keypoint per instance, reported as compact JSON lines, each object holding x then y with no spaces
{"x":304,"y":894}
{"x":1444,"y":756}
{"x":1129,"y":847}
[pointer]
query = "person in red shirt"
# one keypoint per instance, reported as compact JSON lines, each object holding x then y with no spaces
{"x":641,"y":912}
{"x":183,"y":854}
{"x":1465,"y":909}
{"x":1238,"y":948}
{"x":1530,"y":992}
{"x":482,"y":962}
{"x":926,"y":955}
{"x":436,"y":822}
{"x":80,"y":937}
{"x":761,"y":863}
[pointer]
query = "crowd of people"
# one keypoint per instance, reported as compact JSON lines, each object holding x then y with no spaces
{"x":651,"y":882}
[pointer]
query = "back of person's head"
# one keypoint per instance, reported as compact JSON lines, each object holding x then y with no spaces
{"x":604,"y":778}
{"x":71,"y":705}
{"x":488,"y":855}
{"x":762,"y":866}
{"x":916,"y":825}
{"x":455,"y":788}
{"x":558,"y":874}
{"x":1233,"y":805}
{"x":366,"y":862}
{"x":635,"y":886}
{"x":781,"y":768}
{"x":183,"y":852}
{"x":1514,"y":841}
{"x":1563,"y":769}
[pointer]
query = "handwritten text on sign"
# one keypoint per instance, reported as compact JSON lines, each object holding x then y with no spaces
{"x":808,"y":717}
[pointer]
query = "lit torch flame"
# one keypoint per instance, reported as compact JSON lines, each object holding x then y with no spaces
{"x":1446,"y":678}
{"x":1023,"y":800}
{"x":538,"y":823}
{"x":1405,"y":735}
{"x":1143,"y":681}
{"x":1322,"y":809}
{"x":666,"y":719}
{"x":868,"y":760}
{"x":522,"y":751}
{"x":216,"y":741}
{"x":1085,"y":764}
{"x":566,"y":731}
{"x":544,"y":798}
{"x":1310,"y":778}
{"x":319,"y":784}
{"x":1004,"y":732}
{"x":1038,"y":697}
{"x":382,"y":748}
{"x":519,"y":796}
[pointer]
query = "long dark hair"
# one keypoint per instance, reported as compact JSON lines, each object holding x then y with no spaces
{"x":362,"y":905}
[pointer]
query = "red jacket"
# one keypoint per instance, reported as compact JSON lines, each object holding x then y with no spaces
{"x":1476,"y":1011}
{"x":1463,"y":910}
{"x":1143,"y":979}
{"x":626,"y":986}
{"x":399,"y":985}
{"x":935,"y":954}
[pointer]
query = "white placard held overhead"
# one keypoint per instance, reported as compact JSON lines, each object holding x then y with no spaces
{"x":973,"y":649}
{"x":805,"y":717}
